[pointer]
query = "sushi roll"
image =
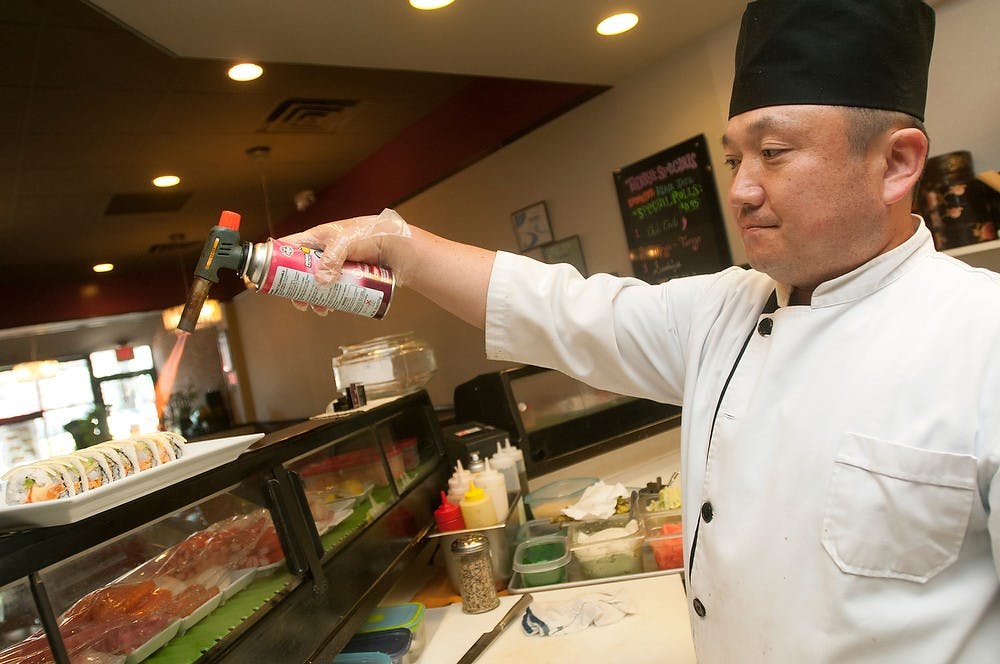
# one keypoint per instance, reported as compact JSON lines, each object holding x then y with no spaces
{"x":34,"y":483}
{"x":96,"y":466}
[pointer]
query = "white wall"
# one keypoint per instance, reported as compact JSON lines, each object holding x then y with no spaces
{"x":568,"y":163}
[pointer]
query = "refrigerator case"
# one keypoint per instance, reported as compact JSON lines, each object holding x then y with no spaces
{"x":276,"y":556}
{"x":557,"y":420}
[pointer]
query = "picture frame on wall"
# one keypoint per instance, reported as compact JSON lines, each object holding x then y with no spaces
{"x":534,"y":252}
{"x":568,"y":250}
{"x":531,"y":226}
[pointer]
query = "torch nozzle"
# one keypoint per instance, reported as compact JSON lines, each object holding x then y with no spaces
{"x":192,"y":308}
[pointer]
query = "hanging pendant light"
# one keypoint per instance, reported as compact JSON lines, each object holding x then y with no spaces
{"x":211,"y":313}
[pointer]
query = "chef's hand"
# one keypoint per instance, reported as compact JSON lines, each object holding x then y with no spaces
{"x":361,"y":239}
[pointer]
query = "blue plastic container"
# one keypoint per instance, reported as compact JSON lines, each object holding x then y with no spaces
{"x":399,"y":616}
{"x":362,"y":658}
{"x":393,"y":642}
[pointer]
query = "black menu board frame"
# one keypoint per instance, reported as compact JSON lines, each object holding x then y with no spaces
{"x":670,"y":207}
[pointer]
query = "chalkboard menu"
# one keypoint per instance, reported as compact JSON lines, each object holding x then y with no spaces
{"x":671,"y":211}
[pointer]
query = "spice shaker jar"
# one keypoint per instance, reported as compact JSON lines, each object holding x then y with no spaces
{"x":475,"y":572}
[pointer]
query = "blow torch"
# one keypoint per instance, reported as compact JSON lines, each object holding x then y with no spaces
{"x":278,"y":268}
{"x":222,"y":249}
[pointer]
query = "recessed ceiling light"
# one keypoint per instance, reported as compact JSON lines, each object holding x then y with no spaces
{"x":103,"y":267}
{"x":166,"y":181}
{"x":245,"y":71}
{"x":430,"y":4}
{"x":617,"y":24}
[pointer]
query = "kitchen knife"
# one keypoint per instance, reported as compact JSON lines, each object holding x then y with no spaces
{"x":484,"y":641}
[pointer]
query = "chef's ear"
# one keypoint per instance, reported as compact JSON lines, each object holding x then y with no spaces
{"x":905,"y":154}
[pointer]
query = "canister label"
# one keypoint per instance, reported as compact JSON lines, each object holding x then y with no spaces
{"x":362,"y":289}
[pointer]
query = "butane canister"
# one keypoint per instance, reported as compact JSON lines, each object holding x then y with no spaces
{"x":279,"y":268}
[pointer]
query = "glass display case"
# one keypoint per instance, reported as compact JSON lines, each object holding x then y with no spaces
{"x":277,"y":555}
{"x":557,"y":420}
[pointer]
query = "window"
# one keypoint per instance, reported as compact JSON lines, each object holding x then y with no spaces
{"x":127,"y":386}
{"x":108,"y":394}
{"x":34,"y":414}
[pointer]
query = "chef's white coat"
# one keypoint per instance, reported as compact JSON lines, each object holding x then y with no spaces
{"x":840,"y":496}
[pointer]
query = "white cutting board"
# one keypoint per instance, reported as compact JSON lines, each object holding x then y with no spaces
{"x":657,"y":633}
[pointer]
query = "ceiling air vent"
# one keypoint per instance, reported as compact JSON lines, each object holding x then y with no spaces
{"x":146,"y":203}
{"x":301,"y":115}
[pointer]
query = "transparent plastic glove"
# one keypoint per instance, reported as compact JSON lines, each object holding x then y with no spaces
{"x":357,"y":239}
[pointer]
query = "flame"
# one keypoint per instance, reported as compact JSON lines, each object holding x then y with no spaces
{"x":165,"y":381}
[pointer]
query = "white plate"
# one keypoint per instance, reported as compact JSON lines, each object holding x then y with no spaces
{"x":199,"y":457}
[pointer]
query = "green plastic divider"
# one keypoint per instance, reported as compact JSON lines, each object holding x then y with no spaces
{"x":204,"y":634}
{"x":207,"y":632}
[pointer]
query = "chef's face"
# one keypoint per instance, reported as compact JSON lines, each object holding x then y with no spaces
{"x":808,"y":207}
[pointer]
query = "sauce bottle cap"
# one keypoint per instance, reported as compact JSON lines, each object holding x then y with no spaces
{"x":448,"y":515}
{"x":474,"y":492}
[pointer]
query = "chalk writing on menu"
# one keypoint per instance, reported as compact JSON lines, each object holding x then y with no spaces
{"x":670,"y":207}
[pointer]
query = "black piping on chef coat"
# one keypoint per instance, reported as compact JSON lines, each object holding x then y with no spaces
{"x":763,"y":327}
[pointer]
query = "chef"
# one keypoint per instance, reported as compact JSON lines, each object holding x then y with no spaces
{"x":841,"y":423}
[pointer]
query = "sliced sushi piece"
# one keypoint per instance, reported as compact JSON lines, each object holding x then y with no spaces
{"x":147,"y":454}
{"x":109,"y":460}
{"x":34,"y":483}
{"x":96,"y":467}
{"x":124,"y":456}
{"x":71,"y":471}
{"x":176,"y":441}
{"x":161,"y":449}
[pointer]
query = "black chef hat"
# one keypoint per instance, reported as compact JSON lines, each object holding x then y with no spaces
{"x":869,"y":53}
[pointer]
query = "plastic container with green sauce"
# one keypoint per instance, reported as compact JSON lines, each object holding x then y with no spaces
{"x":542,"y":561}
{"x":607,"y":547}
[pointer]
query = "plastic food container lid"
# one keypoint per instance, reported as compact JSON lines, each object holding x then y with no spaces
{"x":393,"y":642}
{"x":401,"y":616}
{"x":537,"y":528}
{"x":542,"y":566}
{"x":362,"y":658}
{"x":559,"y":489}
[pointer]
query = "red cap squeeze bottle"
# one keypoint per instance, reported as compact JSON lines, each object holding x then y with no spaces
{"x":448,"y":516}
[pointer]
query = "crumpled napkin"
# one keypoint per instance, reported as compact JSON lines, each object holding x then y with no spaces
{"x":597,"y":608}
{"x":597,"y":502}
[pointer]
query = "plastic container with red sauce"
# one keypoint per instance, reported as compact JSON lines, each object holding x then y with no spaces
{"x":665,"y":538}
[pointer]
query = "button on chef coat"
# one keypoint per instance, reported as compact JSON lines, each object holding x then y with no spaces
{"x":851,"y":462}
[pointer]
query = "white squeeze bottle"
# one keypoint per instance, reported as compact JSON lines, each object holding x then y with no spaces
{"x":458,"y":483}
{"x":522,"y":473}
{"x":477,"y":508}
{"x":507,"y":465}
{"x":493,"y":484}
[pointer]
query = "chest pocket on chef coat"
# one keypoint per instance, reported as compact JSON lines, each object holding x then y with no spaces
{"x":896,"y":511}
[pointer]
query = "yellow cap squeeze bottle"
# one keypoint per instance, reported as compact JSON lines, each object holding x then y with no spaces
{"x":477,"y":508}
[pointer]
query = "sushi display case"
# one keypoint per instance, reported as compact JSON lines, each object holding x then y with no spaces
{"x":557,"y":420}
{"x":278,"y":554}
